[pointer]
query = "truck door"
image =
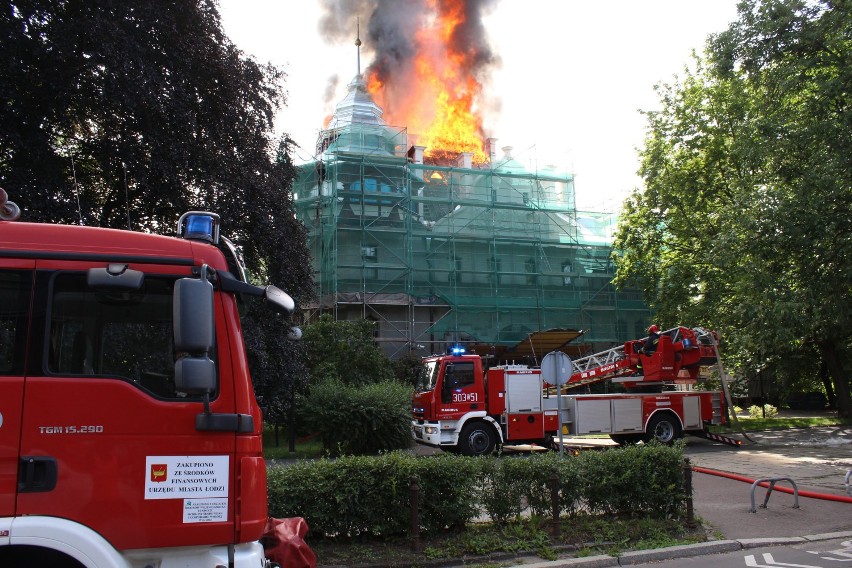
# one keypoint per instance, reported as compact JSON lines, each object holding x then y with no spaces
{"x":461,"y":392}
{"x":15,"y":291}
{"x":107,"y":440}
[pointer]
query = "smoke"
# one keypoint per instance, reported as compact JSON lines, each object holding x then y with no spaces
{"x":330,"y":89}
{"x":396,"y":33}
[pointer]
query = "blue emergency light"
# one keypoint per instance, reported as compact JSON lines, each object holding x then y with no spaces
{"x":200,"y":226}
{"x":457,"y":350}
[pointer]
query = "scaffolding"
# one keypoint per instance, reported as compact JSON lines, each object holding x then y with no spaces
{"x":441,"y":253}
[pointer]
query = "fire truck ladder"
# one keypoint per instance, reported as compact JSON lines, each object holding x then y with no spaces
{"x":595,"y":361}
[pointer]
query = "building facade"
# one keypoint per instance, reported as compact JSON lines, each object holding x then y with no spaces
{"x":439,"y":250}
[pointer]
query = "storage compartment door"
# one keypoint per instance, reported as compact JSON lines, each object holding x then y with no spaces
{"x":627,"y":414}
{"x":523,"y":392}
{"x":692,"y":413}
{"x":593,"y":416}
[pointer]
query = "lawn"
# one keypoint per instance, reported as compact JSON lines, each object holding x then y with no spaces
{"x":784,"y":422}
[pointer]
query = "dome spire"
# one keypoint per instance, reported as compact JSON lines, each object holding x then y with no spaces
{"x":358,"y":42}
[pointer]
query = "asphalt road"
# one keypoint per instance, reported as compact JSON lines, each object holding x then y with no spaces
{"x":835,"y":553}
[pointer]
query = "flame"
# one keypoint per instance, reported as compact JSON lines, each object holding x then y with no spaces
{"x":437,"y":101}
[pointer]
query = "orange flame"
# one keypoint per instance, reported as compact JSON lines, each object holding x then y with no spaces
{"x":437,"y":101}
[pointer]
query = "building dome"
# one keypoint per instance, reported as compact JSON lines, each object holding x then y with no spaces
{"x":357,"y":107}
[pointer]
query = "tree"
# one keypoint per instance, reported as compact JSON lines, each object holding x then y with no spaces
{"x":744,"y":221}
{"x":345,"y":351}
{"x":127,"y":114}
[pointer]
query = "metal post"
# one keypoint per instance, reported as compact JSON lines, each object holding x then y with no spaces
{"x":772,"y":481}
{"x":414,"y":530}
{"x":687,"y":483}
{"x":559,"y":405}
{"x":554,"y":502}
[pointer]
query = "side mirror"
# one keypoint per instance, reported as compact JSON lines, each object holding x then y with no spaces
{"x":193,"y":316}
{"x":281,"y":301}
{"x":195,"y":375}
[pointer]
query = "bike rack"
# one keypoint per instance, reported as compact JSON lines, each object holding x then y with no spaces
{"x":846,"y":481}
{"x":772,"y":481}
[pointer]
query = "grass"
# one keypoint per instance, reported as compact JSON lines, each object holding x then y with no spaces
{"x":306,"y":447}
{"x":783,"y":422}
{"x":497,"y":545}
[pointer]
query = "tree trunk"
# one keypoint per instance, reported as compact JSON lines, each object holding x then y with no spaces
{"x":831,"y":358}
{"x":829,"y":387}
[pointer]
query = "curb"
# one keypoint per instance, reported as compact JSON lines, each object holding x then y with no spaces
{"x":682,"y":551}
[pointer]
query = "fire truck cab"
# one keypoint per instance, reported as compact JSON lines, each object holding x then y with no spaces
{"x":129,"y":431}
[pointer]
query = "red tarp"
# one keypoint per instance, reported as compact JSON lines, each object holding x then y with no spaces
{"x":284,"y":543}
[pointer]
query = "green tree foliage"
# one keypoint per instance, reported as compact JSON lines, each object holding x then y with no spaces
{"x":345,"y":351}
{"x":744,"y":222}
{"x":127,"y":114}
{"x":360,"y":419}
{"x":355,"y":402}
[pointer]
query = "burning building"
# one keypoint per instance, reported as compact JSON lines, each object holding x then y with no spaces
{"x":439,"y":236}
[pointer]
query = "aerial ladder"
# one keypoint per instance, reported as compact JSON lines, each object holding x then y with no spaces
{"x":677,"y":360}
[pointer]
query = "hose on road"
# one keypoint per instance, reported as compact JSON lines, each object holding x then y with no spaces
{"x":802,"y":493}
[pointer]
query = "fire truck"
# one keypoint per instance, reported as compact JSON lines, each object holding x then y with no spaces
{"x":462,"y":405}
{"x":129,"y":431}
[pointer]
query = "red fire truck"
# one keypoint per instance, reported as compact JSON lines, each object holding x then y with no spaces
{"x":461,"y":405}
{"x":129,"y":431}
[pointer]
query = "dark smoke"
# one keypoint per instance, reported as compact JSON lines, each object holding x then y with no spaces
{"x":389,"y":32}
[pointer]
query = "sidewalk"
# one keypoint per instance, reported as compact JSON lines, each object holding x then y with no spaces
{"x":816,"y":459}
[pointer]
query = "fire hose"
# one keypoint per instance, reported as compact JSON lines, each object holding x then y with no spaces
{"x":803,"y":493}
{"x":9,"y":211}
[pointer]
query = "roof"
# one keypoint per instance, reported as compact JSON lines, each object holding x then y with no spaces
{"x":536,"y":345}
{"x":75,"y":242}
{"x":357,"y":107}
{"x":540,"y":343}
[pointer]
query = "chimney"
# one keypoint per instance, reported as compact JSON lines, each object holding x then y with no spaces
{"x":491,"y":148}
{"x":507,"y":151}
{"x":415,"y":154}
{"x":465,"y":160}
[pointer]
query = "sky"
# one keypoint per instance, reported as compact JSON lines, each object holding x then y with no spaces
{"x":573,"y":76}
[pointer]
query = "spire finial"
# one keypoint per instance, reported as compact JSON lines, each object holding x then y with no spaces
{"x":358,"y":43}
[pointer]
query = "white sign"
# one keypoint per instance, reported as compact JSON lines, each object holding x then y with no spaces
{"x":205,"y":510}
{"x":556,"y":368}
{"x":186,"y":477}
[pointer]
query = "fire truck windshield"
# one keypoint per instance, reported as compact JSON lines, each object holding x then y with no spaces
{"x":428,"y":376}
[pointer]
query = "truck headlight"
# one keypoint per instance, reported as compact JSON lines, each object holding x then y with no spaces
{"x":431,"y":429}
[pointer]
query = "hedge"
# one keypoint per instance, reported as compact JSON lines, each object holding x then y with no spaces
{"x":369,"y":495}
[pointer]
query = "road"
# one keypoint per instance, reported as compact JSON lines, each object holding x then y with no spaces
{"x":825,"y":554}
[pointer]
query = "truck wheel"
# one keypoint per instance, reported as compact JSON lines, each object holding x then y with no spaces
{"x":627,"y":439}
{"x":664,"y":428}
{"x":477,"y":439}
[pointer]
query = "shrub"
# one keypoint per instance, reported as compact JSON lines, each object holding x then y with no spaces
{"x":371,"y":495}
{"x":358,"y":420}
{"x":756,"y":411}
{"x":634,"y":479}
